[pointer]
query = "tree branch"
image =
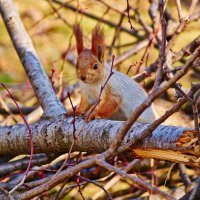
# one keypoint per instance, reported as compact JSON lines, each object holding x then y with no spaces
{"x":57,"y":134}
{"x":30,"y":61}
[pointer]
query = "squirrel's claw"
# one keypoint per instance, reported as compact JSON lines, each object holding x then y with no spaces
{"x":71,"y":113}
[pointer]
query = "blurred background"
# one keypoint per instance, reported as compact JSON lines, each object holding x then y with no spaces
{"x":49,"y":25}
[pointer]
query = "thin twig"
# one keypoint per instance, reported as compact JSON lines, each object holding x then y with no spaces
{"x":162,"y":56}
{"x":192,"y":7}
{"x":97,"y":184}
{"x":110,"y":23}
{"x":102,"y":88}
{"x":129,"y":18}
{"x":133,"y":178}
{"x":179,"y":8}
{"x":196,"y":115}
{"x":31,"y":140}
{"x":185,"y":178}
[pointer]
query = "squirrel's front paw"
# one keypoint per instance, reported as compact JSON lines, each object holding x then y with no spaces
{"x":91,"y":117}
{"x":72,"y":113}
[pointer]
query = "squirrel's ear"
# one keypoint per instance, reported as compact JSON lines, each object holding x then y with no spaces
{"x":98,"y":42}
{"x":79,"y":37}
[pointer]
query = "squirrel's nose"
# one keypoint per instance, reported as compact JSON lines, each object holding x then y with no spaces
{"x":83,"y":78}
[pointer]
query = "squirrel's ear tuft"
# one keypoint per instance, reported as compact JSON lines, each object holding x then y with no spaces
{"x":79,"y":37}
{"x":98,"y":42}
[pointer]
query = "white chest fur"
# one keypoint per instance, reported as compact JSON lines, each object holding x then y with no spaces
{"x":91,"y":90}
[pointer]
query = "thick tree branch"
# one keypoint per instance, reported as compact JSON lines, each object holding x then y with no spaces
{"x":96,"y":137}
{"x":30,"y":61}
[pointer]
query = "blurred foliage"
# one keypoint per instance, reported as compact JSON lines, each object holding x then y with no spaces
{"x":51,"y":36}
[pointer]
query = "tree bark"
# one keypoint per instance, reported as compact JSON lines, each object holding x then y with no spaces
{"x":30,"y":61}
{"x":55,"y":135}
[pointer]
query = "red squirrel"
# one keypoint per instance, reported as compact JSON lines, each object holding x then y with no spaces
{"x":121,"y":94}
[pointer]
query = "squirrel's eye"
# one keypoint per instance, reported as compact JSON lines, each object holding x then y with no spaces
{"x":95,"y":66}
{"x":76,"y":66}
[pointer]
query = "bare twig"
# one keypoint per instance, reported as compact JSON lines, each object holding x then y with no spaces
{"x":102,"y":88}
{"x":31,"y":141}
{"x":129,"y":18}
{"x":195,"y":114}
{"x":97,"y":18}
{"x":97,"y":184}
{"x":22,"y":163}
{"x":133,"y":178}
{"x":187,"y":50}
{"x":152,"y":96}
{"x":192,"y":7}
{"x":139,"y":46}
{"x":158,"y":79}
{"x":115,"y":179}
{"x":179,"y":8}
{"x":117,"y":31}
{"x":185,"y":178}
{"x":58,"y":13}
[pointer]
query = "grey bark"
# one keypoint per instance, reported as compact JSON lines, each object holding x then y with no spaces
{"x":30,"y":61}
{"x":56,"y":136}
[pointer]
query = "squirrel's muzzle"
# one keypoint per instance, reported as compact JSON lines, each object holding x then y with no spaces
{"x":83,"y":78}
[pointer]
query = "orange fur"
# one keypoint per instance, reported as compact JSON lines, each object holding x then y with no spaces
{"x":79,"y":38}
{"x":109,"y":103}
{"x":98,"y":41}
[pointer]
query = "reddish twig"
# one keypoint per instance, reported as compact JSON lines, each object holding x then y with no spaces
{"x":102,"y":88}
{"x":133,"y":178}
{"x":146,"y":52}
{"x":30,"y":135}
{"x":74,"y":116}
{"x":129,"y":18}
{"x":77,"y":179}
{"x":53,"y":70}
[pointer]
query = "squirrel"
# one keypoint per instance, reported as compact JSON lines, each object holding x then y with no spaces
{"x":121,"y":95}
